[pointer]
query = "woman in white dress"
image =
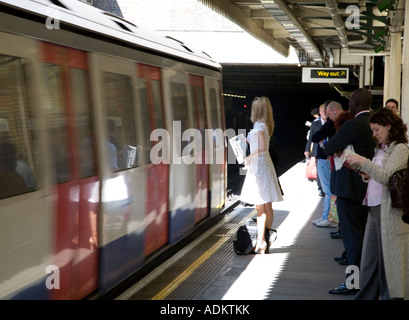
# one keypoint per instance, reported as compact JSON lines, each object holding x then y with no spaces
{"x":261,"y":186}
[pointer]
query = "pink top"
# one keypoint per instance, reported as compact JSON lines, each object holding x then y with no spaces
{"x":374,"y":192}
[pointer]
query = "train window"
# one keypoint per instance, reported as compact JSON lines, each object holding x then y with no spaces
{"x":199,"y":111}
{"x":18,"y":145}
{"x":180,"y":112}
{"x":157,"y":104}
{"x":56,"y":120}
{"x":79,"y":91}
{"x":215,"y":120}
{"x":145,"y":121}
{"x":157,"y":107}
{"x":122,"y":149}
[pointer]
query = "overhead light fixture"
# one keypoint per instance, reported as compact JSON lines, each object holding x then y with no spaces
{"x":234,"y":95}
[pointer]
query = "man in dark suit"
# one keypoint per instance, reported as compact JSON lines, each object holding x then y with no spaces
{"x":311,"y":148}
{"x":347,"y":184}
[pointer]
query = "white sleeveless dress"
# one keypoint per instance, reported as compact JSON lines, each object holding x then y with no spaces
{"x":261,"y":183}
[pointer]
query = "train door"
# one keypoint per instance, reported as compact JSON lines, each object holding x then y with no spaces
{"x":68,"y":114}
{"x":122,"y":156}
{"x":217,"y":155}
{"x":25,"y":211}
{"x":182,"y":170}
{"x":202,"y":168}
{"x":153,"y":117}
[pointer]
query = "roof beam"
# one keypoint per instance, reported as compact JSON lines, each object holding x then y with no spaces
{"x":303,"y":37}
{"x":238,"y":16}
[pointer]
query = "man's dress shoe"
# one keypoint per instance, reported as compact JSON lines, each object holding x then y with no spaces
{"x":343,"y":290}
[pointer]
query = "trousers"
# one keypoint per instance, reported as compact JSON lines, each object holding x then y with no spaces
{"x":352,"y":220}
{"x":372,"y":272}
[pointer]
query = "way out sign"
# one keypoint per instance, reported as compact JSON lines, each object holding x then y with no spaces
{"x":325,"y":75}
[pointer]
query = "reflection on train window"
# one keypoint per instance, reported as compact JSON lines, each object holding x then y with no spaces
{"x":145,"y":120}
{"x":214,"y":121}
{"x":199,"y":111}
{"x":18,"y":145}
{"x":83,"y":123}
{"x":157,"y":104}
{"x":56,"y":121}
{"x":180,"y":112}
{"x":157,"y":108}
{"x":122,"y":149}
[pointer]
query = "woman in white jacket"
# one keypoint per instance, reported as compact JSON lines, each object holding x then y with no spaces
{"x":384,"y":269}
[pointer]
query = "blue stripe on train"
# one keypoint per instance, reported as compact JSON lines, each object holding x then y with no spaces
{"x":120,"y":258}
{"x":181,"y":223}
{"x":35,"y":291}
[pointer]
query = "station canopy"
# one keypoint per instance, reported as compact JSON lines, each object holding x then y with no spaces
{"x":317,"y":28}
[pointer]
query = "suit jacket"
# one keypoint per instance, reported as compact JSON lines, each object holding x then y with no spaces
{"x":325,"y":132}
{"x":345,"y":182}
{"x":315,"y":126}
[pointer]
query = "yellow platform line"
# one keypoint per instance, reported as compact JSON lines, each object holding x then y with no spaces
{"x":194,"y":266}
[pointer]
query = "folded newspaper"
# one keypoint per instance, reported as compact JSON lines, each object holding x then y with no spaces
{"x":239,"y":146}
{"x":347,"y":152}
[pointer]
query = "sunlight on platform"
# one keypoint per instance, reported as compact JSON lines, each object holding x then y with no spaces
{"x":263,"y":271}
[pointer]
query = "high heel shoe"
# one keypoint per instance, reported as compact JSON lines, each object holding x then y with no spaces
{"x":260,"y":247}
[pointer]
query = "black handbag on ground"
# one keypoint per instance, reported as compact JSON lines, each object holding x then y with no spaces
{"x":246,"y":237}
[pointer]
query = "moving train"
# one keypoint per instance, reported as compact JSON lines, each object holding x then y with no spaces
{"x":98,"y":170}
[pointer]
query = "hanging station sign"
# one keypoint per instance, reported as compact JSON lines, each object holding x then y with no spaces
{"x":325,"y":75}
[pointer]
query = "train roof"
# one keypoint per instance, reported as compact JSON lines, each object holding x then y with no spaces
{"x":82,"y":17}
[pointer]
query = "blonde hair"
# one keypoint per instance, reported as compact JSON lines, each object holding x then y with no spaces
{"x":261,"y":110}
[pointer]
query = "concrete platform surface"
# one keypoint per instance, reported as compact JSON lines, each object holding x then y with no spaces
{"x":299,"y":266}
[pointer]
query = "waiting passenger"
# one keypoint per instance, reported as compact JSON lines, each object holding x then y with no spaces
{"x":311,"y":148}
{"x":11,"y":183}
{"x":393,"y":105}
{"x":321,"y":137}
{"x":347,"y":184}
{"x":340,"y":119}
{"x":385,"y":253}
{"x":261,"y":185}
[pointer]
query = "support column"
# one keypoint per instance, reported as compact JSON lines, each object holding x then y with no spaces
{"x":404,"y":106}
{"x":386,"y":79}
{"x":395,"y":66}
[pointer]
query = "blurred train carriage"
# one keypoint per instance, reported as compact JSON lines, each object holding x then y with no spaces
{"x":83,"y":201}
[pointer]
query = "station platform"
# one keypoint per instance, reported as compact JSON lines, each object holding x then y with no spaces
{"x":299,"y":265}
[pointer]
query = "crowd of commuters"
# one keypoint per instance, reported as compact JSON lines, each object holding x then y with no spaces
{"x":358,"y":151}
